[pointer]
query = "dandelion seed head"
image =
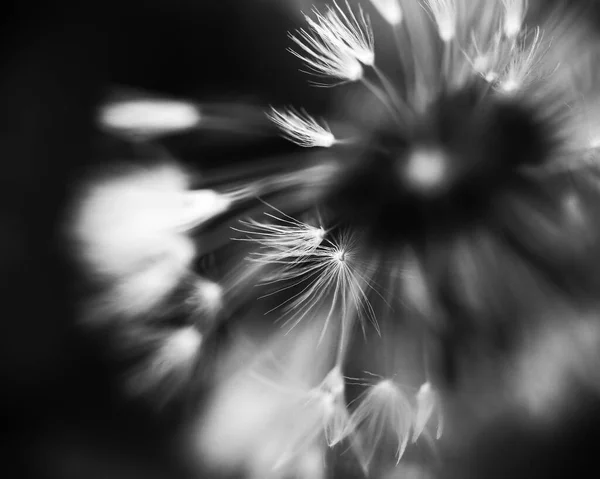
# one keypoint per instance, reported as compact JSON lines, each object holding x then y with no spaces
{"x":444,"y":15}
{"x":425,"y":170}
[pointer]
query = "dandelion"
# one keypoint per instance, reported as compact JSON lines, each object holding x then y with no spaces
{"x":390,"y":10}
{"x":428,"y":404}
{"x":302,"y":129}
{"x":444,"y":15}
{"x":337,"y":44}
{"x":515,"y":13}
{"x":383,"y":409}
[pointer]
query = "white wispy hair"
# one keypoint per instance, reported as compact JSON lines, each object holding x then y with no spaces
{"x":383,"y":407}
{"x":332,"y":269}
{"x":131,"y":234}
{"x":337,"y":43}
{"x":284,"y":241}
{"x":330,"y":393}
{"x":514,"y":16}
{"x":524,"y":66}
{"x":390,"y":10}
{"x":488,"y":62}
{"x":122,"y":221}
{"x":140,"y":291}
{"x":282,"y":401}
{"x":444,"y":14}
{"x":349,"y":32}
{"x":170,"y":367}
{"x":301,"y":128}
{"x":320,"y":412}
{"x":428,"y":404}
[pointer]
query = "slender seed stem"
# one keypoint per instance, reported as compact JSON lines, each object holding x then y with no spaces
{"x":384,"y":99}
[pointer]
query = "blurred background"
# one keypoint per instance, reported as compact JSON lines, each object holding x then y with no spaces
{"x":60,"y":414}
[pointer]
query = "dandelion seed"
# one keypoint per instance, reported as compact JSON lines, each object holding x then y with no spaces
{"x":337,"y":44}
{"x":149,"y":117}
{"x":171,"y":366}
{"x":383,"y":409}
{"x":515,"y":13}
{"x":428,"y":403}
{"x":332,"y":269}
{"x":197,"y":207}
{"x":206,"y":298}
{"x":302,"y":129}
{"x":124,"y":223}
{"x":318,"y":412}
{"x":444,"y":15}
{"x":139,"y":291}
{"x":352,"y":33}
{"x":390,"y":10}
{"x":521,"y":70}
{"x":330,"y":395}
{"x":286,"y":241}
{"x":487,"y":62}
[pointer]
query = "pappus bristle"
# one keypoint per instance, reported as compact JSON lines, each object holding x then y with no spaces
{"x":337,"y":44}
{"x":300,"y":128}
{"x":444,"y":13}
{"x":333,"y":274}
{"x":524,"y":66}
{"x":383,"y":409}
{"x":427,"y":405}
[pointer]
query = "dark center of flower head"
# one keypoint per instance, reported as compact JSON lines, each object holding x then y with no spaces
{"x":456,"y":157}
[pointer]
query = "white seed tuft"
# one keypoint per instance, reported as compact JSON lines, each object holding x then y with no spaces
{"x":443,"y":13}
{"x":301,"y":128}
{"x":337,"y":44}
